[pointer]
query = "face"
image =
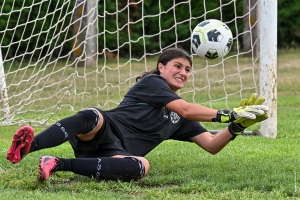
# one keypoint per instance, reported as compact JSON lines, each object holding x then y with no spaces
{"x":176,"y":72}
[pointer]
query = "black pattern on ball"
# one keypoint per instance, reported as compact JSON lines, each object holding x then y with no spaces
{"x":214,"y":36}
{"x":212,"y":54}
{"x":196,"y":41}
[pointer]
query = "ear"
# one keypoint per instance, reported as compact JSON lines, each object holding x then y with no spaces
{"x":160,"y":67}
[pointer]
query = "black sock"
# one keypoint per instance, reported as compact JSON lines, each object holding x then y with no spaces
{"x":60,"y":132}
{"x":50,"y":137}
{"x":105,"y":168}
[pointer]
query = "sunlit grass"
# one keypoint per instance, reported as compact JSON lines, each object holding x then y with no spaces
{"x":250,"y":167}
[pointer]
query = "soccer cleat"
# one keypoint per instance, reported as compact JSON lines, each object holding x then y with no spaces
{"x":21,"y":143}
{"x":48,"y":166}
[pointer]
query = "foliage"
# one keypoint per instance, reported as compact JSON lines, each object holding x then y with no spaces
{"x":288,"y":24}
{"x":32,"y":29}
{"x":31,"y":32}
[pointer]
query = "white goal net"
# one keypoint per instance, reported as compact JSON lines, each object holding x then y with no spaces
{"x":57,"y":57}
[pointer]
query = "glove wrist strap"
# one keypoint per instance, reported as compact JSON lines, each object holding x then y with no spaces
{"x":223,"y":116}
{"x":234,"y":128}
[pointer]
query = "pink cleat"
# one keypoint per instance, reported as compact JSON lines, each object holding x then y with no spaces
{"x":20,"y":144}
{"x":48,"y":166}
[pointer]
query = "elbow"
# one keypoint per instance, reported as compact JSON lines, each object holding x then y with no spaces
{"x":213,"y":151}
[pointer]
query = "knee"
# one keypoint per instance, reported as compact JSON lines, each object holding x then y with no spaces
{"x":94,"y":119}
{"x":146,"y":164}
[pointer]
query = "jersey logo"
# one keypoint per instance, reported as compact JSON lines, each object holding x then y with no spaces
{"x":174,"y":117}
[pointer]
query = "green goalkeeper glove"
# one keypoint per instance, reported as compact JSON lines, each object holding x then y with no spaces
{"x":243,"y":123}
{"x":239,"y":125}
{"x":247,"y":109}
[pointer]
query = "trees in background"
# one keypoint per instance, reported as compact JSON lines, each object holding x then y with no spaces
{"x":35,"y":28}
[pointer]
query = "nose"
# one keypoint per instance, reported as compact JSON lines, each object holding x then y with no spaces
{"x":182,"y":72}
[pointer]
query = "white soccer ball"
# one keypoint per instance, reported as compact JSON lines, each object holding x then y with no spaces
{"x":211,"y":39}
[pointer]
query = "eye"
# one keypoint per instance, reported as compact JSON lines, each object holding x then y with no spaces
{"x":177,"y":66}
{"x":188,"y":70}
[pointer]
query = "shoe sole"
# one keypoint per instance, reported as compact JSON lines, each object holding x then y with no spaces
{"x":42,"y":175}
{"x":21,"y":142}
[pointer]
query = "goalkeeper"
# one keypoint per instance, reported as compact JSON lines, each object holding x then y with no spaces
{"x":112,"y":144}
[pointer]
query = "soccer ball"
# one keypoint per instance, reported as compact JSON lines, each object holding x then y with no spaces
{"x":211,"y":39}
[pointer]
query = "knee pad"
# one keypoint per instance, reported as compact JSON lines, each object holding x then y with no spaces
{"x":138,"y":169}
{"x":125,"y":169}
{"x":92,"y":118}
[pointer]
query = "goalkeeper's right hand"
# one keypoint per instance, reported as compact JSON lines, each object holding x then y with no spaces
{"x":247,"y":109}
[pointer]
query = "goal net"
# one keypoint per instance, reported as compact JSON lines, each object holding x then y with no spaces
{"x":57,"y":57}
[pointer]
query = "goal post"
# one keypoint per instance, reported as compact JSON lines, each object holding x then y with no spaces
{"x":62,"y":56}
{"x":4,"y":97}
{"x":268,"y":64}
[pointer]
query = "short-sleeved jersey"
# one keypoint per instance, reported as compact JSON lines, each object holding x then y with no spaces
{"x":142,"y":121}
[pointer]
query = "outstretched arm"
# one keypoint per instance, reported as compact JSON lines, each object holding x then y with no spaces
{"x":248,"y":109}
{"x":192,"y":111}
{"x":213,"y":143}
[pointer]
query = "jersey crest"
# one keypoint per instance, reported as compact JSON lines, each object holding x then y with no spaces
{"x":174,"y":117}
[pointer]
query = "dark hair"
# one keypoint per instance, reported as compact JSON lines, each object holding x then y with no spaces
{"x":166,"y":56}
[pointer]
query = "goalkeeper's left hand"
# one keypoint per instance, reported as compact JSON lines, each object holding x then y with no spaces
{"x":248,"y":109}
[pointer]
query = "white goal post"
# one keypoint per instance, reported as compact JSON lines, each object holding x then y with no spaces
{"x":4,"y":97}
{"x":268,"y":63}
{"x":57,"y":57}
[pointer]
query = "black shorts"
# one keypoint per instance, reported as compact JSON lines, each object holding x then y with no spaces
{"x":104,"y":144}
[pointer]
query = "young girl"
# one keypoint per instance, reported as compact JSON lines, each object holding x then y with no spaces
{"x":111,"y":145}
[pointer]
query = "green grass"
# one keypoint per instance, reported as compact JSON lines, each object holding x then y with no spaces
{"x":250,"y":167}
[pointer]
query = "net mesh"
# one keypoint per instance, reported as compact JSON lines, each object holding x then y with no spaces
{"x":58,"y":57}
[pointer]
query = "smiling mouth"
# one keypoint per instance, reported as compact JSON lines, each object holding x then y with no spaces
{"x":180,"y":79}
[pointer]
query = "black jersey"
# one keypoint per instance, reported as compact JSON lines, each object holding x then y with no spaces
{"x":142,"y":121}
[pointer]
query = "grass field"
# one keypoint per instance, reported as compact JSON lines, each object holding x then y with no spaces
{"x":250,"y":167}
